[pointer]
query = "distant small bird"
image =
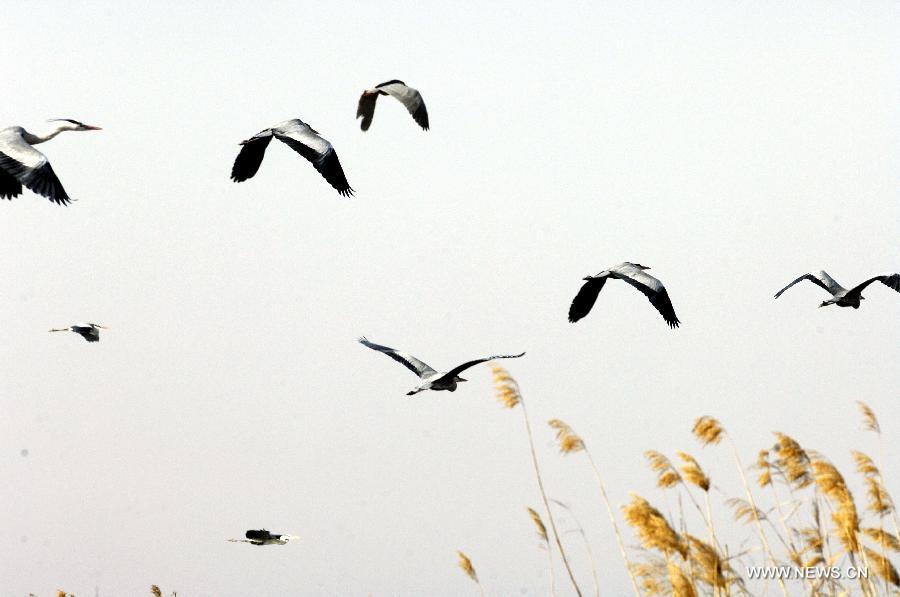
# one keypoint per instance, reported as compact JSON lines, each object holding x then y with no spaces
{"x":303,"y":139}
{"x":264,"y":537}
{"x":88,"y":331}
{"x":633,"y":273}
{"x":408,"y":96}
{"x":841,"y":296}
{"x":22,"y":164}
{"x":431,"y":379}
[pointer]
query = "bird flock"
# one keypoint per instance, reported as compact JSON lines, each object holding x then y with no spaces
{"x":21,"y":165}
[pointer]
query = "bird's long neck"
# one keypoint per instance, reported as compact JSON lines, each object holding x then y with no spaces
{"x":35,"y":139}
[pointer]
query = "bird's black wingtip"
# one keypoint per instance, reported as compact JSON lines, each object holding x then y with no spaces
{"x":348,"y":192}
{"x":575,"y":317}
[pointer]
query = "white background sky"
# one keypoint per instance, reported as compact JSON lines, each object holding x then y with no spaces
{"x":730,"y":146}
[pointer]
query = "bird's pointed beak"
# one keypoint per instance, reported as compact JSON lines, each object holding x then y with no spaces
{"x":244,"y":142}
{"x":89,"y":127}
{"x":588,"y":278}
{"x":461,"y":379}
{"x":103,"y":327}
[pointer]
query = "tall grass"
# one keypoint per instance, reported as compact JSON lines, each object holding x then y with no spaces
{"x":803,"y":503}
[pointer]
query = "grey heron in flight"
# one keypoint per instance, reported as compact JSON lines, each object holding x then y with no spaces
{"x":264,"y":537}
{"x":22,"y":164}
{"x":840,"y":296}
{"x":88,"y":331}
{"x":633,"y":273}
{"x":431,"y":379}
{"x":408,"y":96}
{"x":303,"y":139}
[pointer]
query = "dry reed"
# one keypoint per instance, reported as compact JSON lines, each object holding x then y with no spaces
{"x":509,"y":393}
{"x":466,"y":564}
{"x":570,"y":442}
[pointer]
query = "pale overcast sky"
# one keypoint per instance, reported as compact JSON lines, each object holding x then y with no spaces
{"x":731,"y":146}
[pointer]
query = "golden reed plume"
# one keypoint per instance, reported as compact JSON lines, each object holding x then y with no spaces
{"x":506,"y":386}
{"x":541,"y":529}
{"x":466,"y":564}
{"x":681,"y":585}
{"x":692,"y":471}
{"x":765,"y":467}
{"x":793,"y":461}
{"x":652,"y":527}
{"x":708,"y":431}
{"x":666,"y":474}
{"x":569,"y":442}
{"x":870,"y":421}
{"x":510,"y":396}
{"x":880,"y":501}
{"x":882,"y":567}
{"x":831,"y":483}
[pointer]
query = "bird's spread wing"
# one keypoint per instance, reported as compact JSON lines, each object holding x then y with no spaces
{"x":891,"y":280}
{"x":248,"y":160}
{"x":302,"y":139}
{"x":819,"y":279}
{"x":260,"y":535}
{"x":88,"y":333}
{"x":9,"y":185}
{"x":405,"y":359}
{"x":653,"y":289}
{"x":30,"y":168}
{"x":459,"y":369}
{"x":585,"y":299}
{"x":410,"y":98}
{"x":366,"y":108}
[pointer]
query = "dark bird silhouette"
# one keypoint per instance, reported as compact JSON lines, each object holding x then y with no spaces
{"x":840,"y":296}
{"x":408,"y":96}
{"x":431,"y":379}
{"x":633,"y":273}
{"x":303,"y":139}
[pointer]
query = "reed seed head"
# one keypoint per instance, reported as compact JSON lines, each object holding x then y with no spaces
{"x":666,"y":474}
{"x":882,"y":567}
{"x":652,"y":528}
{"x":569,"y":442}
{"x":708,"y":430}
{"x":870,"y":421}
{"x":830,"y":482}
{"x":884,"y":539}
{"x":692,"y":471}
{"x":541,"y":529}
{"x":793,"y":461}
{"x":714,"y":570}
{"x":681,"y":585}
{"x":506,"y":386}
{"x":744,"y":510}
{"x":466,"y":564}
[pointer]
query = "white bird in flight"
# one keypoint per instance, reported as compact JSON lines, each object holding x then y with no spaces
{"x":841,"y":296}
{"x":431,"y":379}
{"x":264,"y":537}
{"x":22,"y":164}
{"x":303,"y":139}
{"x":88,"y":331}
{"x":408,"y":96}
{"x":633,"y":273}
